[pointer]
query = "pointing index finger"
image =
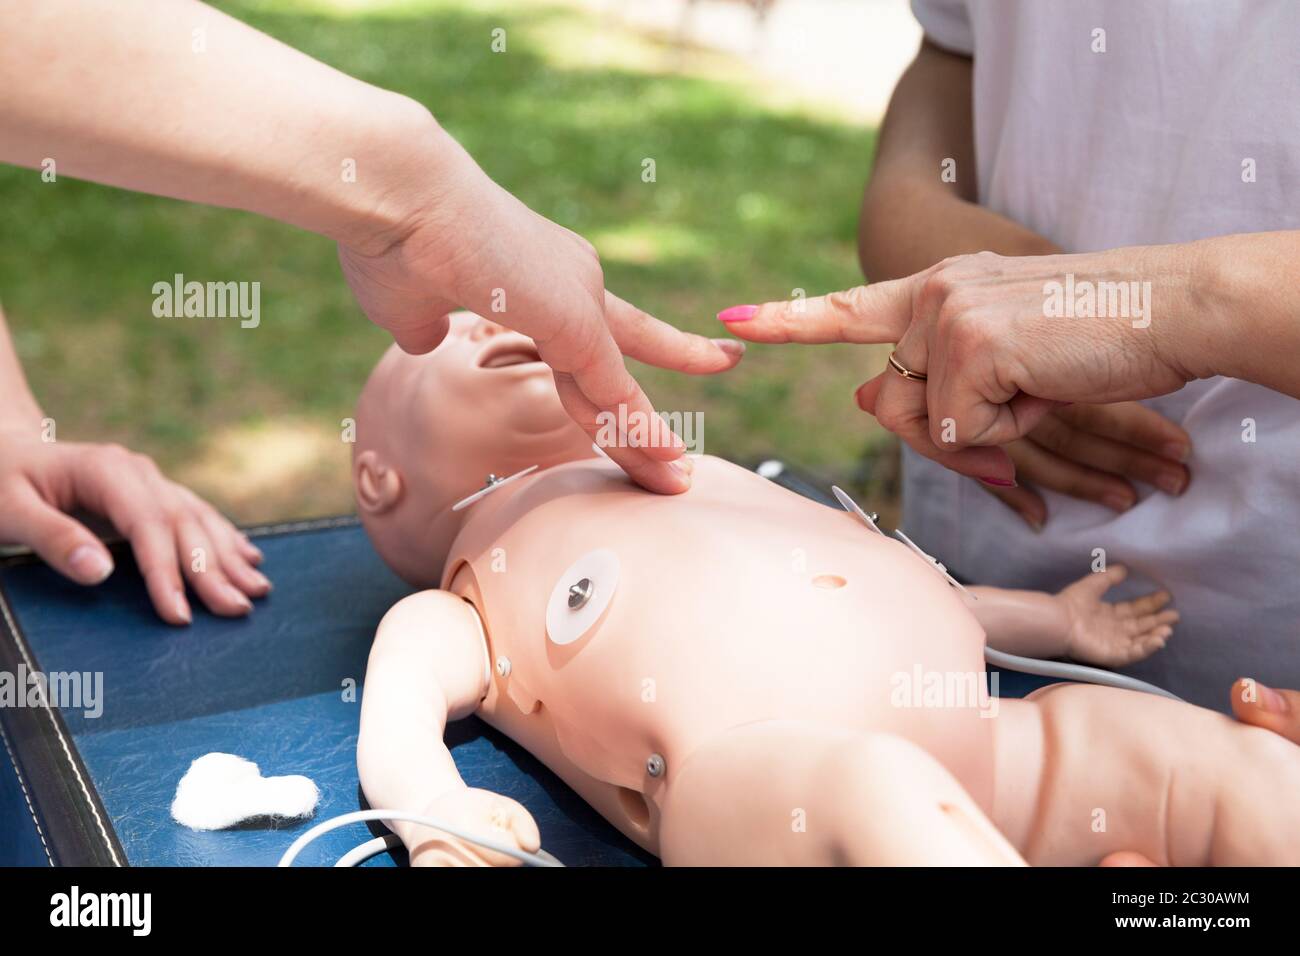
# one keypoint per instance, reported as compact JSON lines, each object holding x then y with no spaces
{"x":643,"y":337}
{"x":867,"y":314}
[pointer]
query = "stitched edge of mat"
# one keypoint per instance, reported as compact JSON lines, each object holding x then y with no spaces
{"x":36,"y":820}
{"x":78,"y":810}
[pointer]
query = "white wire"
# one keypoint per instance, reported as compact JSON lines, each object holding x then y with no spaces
{"x":359,"y":854}
{"x":1077,"y":672}
{"x":361,"y":816}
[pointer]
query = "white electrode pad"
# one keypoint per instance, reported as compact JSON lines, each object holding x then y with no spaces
{"x":581,"y":595}
{"x":934,"y":562}
{"x":851,"y":506}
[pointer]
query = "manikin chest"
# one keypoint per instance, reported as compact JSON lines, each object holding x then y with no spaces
{"x":625,"y":627}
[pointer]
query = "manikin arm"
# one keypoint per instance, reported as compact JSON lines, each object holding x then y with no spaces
{"x":1075,"y":623}
{"x":428,"y":665}
{"x":784,"y":792}
{"x":1028,"y":623}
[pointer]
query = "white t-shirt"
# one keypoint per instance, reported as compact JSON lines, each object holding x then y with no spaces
{"x":1151,"y":141}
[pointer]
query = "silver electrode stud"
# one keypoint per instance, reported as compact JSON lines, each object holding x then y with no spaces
{"x":655,"y":766}
{"x":492,"y":482}
{"x":580,"y":594}
{"x":503,"y":666}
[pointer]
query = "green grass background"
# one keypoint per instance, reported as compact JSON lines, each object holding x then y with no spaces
{"x":756,"y":195}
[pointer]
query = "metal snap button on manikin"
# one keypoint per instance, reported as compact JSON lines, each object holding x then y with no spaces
{"x":655,"y":765}
{"x":493,"y":482}
{"x":580,"y":594}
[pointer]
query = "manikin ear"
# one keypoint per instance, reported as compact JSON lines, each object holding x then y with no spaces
{"x":379,"y":486}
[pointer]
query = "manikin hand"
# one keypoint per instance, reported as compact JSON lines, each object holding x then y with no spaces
{"x":1094,"y":452}
{"x":165,"y":523}
{"x":1113,"y":635}
{"x":480,"y":812}
{"x":476,"y":246}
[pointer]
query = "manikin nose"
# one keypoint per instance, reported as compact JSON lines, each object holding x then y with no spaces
{"x":484,"y":330}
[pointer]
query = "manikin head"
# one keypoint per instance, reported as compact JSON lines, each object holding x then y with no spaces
{"x":431,"y":428}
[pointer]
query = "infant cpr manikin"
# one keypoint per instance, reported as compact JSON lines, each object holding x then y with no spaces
{"x":737,"y":675}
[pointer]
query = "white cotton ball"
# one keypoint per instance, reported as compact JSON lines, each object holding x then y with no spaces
{"x":221,"y":790}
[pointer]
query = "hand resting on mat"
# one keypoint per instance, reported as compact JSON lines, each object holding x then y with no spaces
{"x":173,"y":531}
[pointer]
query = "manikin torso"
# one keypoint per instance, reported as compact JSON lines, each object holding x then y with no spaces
{"x":734,"y":603}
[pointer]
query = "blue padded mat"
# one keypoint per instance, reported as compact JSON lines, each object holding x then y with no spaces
{"x":272,"y":687}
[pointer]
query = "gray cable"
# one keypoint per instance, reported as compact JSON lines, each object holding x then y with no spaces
{"x":1075,"y":672}
{"x":359,"y":854}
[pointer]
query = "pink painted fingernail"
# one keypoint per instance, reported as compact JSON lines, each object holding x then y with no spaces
{"x":738,"y":313}
{"x":999,"y":482}
{"x":89,"y":564}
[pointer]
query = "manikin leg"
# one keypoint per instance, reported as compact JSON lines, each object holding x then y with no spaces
{"x":790,"y":793}
{"x":1085,"y":771}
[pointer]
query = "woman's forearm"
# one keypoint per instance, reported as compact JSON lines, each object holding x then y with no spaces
{"x":1250,"y":325}
{"x":1238,"y":314}
{"x":913,"y":215}
{"x":19,"y":405}
{"x":914,"y":225}
{"x":175,"y":98}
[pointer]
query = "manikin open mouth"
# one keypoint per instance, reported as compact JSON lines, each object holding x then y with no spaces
{"x":508,"y":352}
